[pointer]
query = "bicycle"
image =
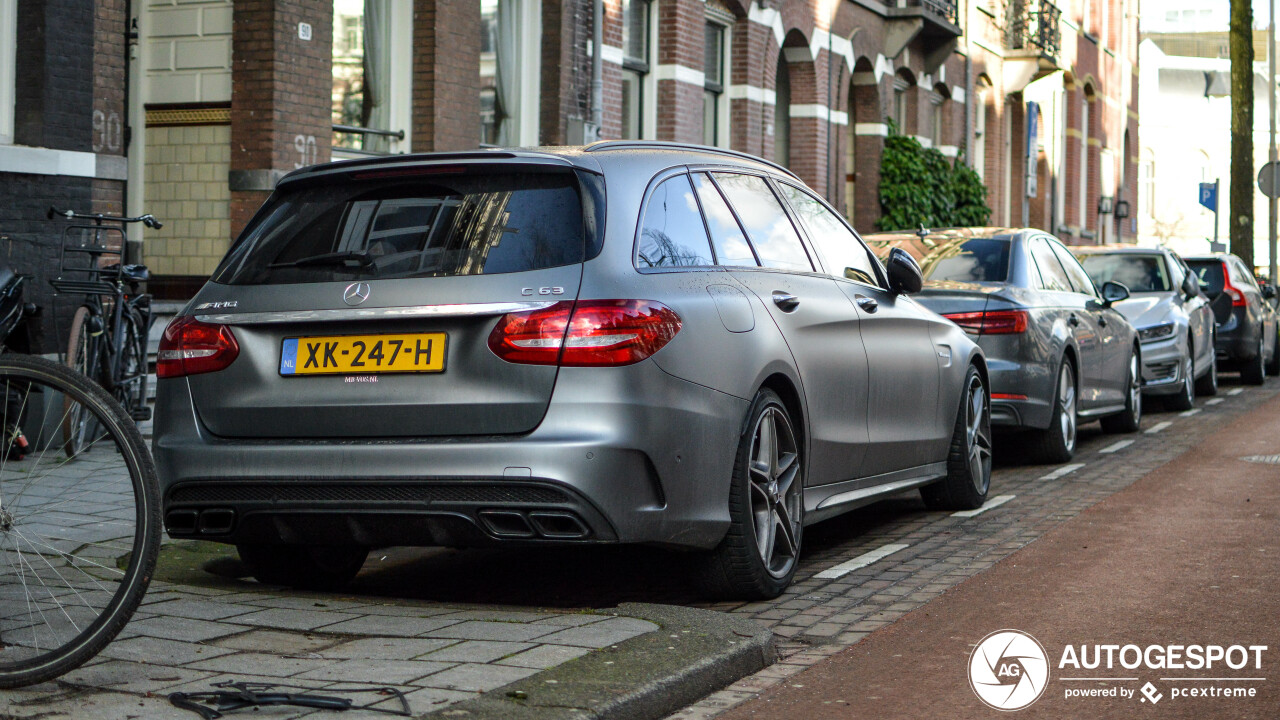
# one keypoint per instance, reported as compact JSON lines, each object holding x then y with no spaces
{"x":108,"y":338}
{"x":79,"y":535}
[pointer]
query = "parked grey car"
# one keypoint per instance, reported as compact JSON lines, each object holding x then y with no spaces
{"x":1174,"y":322}
{"x":1246,"y":322}
{"x":1059,"y":351}
{"x":623,"y":343}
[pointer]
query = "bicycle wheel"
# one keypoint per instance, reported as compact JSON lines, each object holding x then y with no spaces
{"x":78,"y":536}
{"x":82,"y":356}
{"x":131,"y":387}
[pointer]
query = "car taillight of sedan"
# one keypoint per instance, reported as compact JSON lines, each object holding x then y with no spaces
{"x":992,"y":322}
{"x":1237,"y":295}
{"x":589,"y":333}
{"x":191,"y":347}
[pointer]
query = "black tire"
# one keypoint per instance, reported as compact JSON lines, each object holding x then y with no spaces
{"x":1057,"y":444}
{"x":969,"y":460}
{"x":307,"y":567}
{"x":1273,"y":365}
{"x":767,"y":487}
{"x":1207,"y":384}
{"x":1185,"y":398}
{"x":1130,"y":419}
{"x":84,"y":561}
{"x":82,"y":357}
{"x":1253,"y":372}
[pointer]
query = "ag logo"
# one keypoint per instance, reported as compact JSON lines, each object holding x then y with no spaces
{"x":1008,"y":670}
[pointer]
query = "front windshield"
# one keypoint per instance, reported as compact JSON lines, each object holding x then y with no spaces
{"x":973,"y":260}
{"x":1139,"y":273}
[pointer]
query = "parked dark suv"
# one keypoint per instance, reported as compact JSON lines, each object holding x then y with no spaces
{"x":1246,"y":339}
{"x":623,"y":343}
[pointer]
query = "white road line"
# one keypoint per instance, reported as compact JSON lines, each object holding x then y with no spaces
{"x":1158,"y":427}
{"x":1214,"y":401}
{"x":1189,"y":413}
{"x":1113,"y":448}
{"x":1064,"y":470}
{"x":861,"y":561}
{"x":1237,"y":391}
{"x":994,"y":502}
{"x":1101,"y":679}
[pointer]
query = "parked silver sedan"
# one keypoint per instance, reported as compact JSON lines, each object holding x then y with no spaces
{"x":1058,"y":351}
{"x":1174,"y":321}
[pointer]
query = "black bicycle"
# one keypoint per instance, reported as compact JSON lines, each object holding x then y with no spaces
{"x":108,"y":339}
{"x":79,"y":535}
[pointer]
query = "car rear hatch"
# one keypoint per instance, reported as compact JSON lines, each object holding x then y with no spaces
{"x":1212,"y":281}
{"x":362,"y":304}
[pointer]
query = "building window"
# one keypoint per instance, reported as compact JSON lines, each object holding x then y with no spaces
{"x":8,"y":58}
{"x":938,"y":105}
{"x":370,"y":83}
{"x":979,"y":149}
{"x":510,"y":64}
{"x":713,"y":85}
{"x":635,"y":66}
{"x":902,"y":105}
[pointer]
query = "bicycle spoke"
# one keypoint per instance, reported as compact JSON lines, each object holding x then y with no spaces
{"x":64,"y":581}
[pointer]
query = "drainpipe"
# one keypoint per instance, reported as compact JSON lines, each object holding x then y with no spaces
{"x":597,"y":67}
{"x":969,"y":109}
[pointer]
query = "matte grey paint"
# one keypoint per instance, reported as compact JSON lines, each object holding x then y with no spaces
{"x":646,"y":451}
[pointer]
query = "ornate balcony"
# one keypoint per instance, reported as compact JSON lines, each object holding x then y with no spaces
{"x":1034,"y":26}
{"x":934,"y":22}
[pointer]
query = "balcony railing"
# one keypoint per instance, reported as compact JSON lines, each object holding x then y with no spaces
{"x":945,"y":9}
{"x":1034,"y":24}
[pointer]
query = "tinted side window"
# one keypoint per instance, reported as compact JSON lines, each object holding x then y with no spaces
{"x":772,"y":235}
{"x":844,"y":253}
{"x":1052,"y":276}
{"x":672,"y":234}
{"x":1079,"y":278}
{"x":726,"y":235}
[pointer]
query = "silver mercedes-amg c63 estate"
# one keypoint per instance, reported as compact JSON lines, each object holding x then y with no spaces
{"x":622,"y":343}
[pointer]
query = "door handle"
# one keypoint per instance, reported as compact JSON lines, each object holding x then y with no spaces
{"x":786,"y":301}
{"x":866,"y":303}
{"x":1075,"y":321}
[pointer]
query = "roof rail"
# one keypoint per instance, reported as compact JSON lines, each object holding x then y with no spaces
{"x":663,"y":145}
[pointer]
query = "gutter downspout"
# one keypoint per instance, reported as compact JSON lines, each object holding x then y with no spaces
{"x":969,"y":109}
{"x":597,"y":68}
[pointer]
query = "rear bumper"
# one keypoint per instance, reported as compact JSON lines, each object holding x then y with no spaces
{"x":1031,"y":405}
{"x":623,"y":455}
{"x":1237,"y":339}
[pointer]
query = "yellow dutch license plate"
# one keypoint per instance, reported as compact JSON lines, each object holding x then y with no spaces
{"x":356,"y":354}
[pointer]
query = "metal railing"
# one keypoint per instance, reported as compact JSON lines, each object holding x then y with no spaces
{"x":362,"y":133}
{"x":1035,"y":25}
{"x":945,"y":9}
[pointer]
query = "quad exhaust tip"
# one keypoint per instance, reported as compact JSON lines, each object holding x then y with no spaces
{"x":551,"y":525}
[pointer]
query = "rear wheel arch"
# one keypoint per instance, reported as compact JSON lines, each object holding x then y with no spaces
{"x":792,"y":400}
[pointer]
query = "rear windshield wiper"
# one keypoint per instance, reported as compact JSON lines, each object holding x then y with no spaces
{"x":345,"y":259}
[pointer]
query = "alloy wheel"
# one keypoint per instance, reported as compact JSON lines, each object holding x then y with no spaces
{"x":1135,"y":388}
{"x":1189,"y":380}
{"x":1067,"y":407}
{"x":978,"y":427}
{"x":775,"y":493}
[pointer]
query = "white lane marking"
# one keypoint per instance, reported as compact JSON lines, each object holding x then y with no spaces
{"x":1113,"y":448}
{"x":994,"y":502}
{"x":1158,"y":427}
{"x":1189,"y":413}
{"x":1102,"y":679}
{"x":1064,"y":470}
{"x":1237,"y":391}
{"x":1214,"y":401}
{"x":861,"y":561}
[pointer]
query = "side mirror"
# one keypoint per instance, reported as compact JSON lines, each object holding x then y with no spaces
{"x":1268,"y":290}
{"x":1113,"y":292}
{"x":904,"y":274}
{"x":1190,"y":286}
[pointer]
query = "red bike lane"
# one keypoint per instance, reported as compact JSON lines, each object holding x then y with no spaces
{"x":1187,"y":556}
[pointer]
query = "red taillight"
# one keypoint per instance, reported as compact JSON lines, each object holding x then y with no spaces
{"x":590,"y":333}
{"x":1237,"y":297}
{"x":190,"y":347}
{"x":1007,"y":396}
{"x":993,"y":322}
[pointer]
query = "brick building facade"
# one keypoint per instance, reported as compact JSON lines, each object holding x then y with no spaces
{"x":211,"y":101}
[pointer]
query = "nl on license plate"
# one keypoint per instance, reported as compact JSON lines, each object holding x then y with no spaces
{"x":353,"y":354}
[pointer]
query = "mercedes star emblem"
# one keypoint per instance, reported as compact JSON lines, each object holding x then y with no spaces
{"x":356,"y":293}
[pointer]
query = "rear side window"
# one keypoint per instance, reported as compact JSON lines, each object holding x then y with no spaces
{"x":772,"y":235}
{"x":726,"y":235}
{"x":1052,"y":276}
{"x":672,"y":234}
{"x":432,"y":226}
{"x":845,"y":255}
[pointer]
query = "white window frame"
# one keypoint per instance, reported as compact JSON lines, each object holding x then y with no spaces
{"x":722,"y":98}
{"x":649,"y":89}
{"x":8,"y":58}
{"x":529,"y":111}
{"x":650,"y":62}
{"x":400,"y":110}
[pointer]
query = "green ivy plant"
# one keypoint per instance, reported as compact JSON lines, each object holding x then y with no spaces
{"x":920,"y":186}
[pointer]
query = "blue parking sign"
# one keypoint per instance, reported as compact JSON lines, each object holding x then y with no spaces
{"x":1209,"y":195}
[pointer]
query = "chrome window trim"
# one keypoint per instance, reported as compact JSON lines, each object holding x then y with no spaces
{"x":459,"y":310}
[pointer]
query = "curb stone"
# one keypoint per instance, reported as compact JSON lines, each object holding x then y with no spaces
{"x":694,"y":653}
